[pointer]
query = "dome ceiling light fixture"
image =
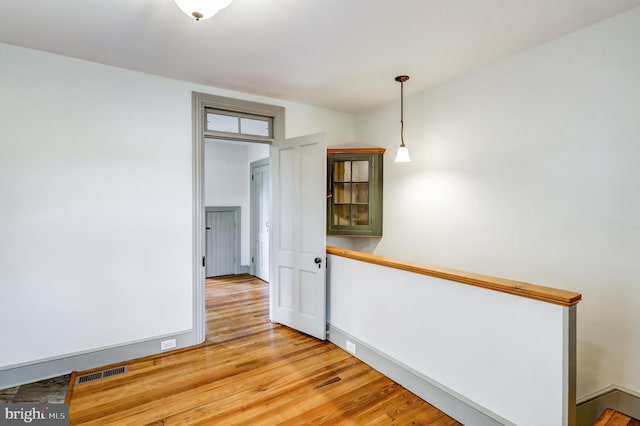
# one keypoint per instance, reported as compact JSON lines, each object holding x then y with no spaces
{"x":202,"y":9}
{"x":403,"y":152}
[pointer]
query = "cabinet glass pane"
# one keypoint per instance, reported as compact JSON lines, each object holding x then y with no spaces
{"x":360,"y":215}
{"x":342,"y":171}
{"x":360,"y":171}
{"x":342,"y":215}
{"x":342,"y":193}
{"x":360,"y":193}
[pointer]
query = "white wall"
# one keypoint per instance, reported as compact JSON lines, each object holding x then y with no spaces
{"x":226,"y":183}
{"x":528,"y":169}
{"x":257,"y":151}
{"x":96,"y":200}
{"x":95,"y":190}
{"x":474,"y":341}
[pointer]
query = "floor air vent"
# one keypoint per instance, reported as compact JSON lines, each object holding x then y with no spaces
{"x":92,"y":377}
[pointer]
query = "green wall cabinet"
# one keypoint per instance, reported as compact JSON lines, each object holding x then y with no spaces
{"x":354,"y":200}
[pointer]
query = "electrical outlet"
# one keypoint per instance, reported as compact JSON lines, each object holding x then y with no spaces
{"x":351,"y":347}
{"x":167,"y":344}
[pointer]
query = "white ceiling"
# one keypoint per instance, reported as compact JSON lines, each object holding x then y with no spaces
{"x":340,"y":54}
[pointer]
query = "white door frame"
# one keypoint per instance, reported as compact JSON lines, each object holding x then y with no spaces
{"x":200,"y":101}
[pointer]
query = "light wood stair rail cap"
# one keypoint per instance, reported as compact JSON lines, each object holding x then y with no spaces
{"x":532,"y":291}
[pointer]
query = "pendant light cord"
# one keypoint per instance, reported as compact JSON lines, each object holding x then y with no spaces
{"x":402,"y":113}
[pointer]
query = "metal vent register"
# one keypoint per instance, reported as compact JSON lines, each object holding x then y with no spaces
{"x":92,"y":377}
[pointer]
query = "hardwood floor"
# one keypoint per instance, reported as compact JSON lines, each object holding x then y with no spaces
{"x":615,"y":418}
{"x":249,"y":371}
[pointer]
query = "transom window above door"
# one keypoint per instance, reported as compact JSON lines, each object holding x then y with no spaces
{"x":237,"y":125}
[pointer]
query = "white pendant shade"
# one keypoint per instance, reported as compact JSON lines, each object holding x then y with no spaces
{"x":403,"y":155}
{"x":202,"y":9}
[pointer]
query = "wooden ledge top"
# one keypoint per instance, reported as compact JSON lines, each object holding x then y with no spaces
{"x":531,"y":291}
{"x":359,"y":150}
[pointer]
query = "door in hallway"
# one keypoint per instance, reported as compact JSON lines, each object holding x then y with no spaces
{"x":221,"y":243}
{"x":260,"y":195}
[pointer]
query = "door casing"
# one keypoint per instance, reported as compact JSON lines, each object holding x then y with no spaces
{"x":201,"y":101}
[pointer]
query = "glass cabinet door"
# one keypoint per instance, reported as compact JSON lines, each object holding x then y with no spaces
{"x":354,"y":206}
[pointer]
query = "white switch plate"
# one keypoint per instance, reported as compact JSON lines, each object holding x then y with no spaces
{"x":351,"y":347}
{"x":167,"y":344}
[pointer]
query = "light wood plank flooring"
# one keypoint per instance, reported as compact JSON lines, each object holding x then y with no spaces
{"x":615,"y":418}
{"x":252,"y":372}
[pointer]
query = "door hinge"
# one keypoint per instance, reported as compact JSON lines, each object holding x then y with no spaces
{"x":204,"y":263}
{"x":252,"y":259}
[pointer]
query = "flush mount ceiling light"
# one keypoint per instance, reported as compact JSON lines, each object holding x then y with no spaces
{"x":202,"y":9}
{"x":403,"y":152}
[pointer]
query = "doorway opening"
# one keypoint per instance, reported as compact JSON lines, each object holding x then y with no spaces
{"x":227,"y":121}
{"x":236,"y":196}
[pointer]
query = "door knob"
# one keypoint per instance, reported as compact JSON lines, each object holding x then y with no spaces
{"x":318,"y":261}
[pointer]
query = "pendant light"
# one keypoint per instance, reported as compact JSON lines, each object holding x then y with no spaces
{"x":202,"y":9}
{"x":403,"y":152}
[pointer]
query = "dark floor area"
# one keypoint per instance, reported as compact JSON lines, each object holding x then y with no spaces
{"x":52,"y":390}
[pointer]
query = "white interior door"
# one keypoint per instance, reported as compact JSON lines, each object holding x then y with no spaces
{"x":298,"y":242}
{"x":260,"y":197}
